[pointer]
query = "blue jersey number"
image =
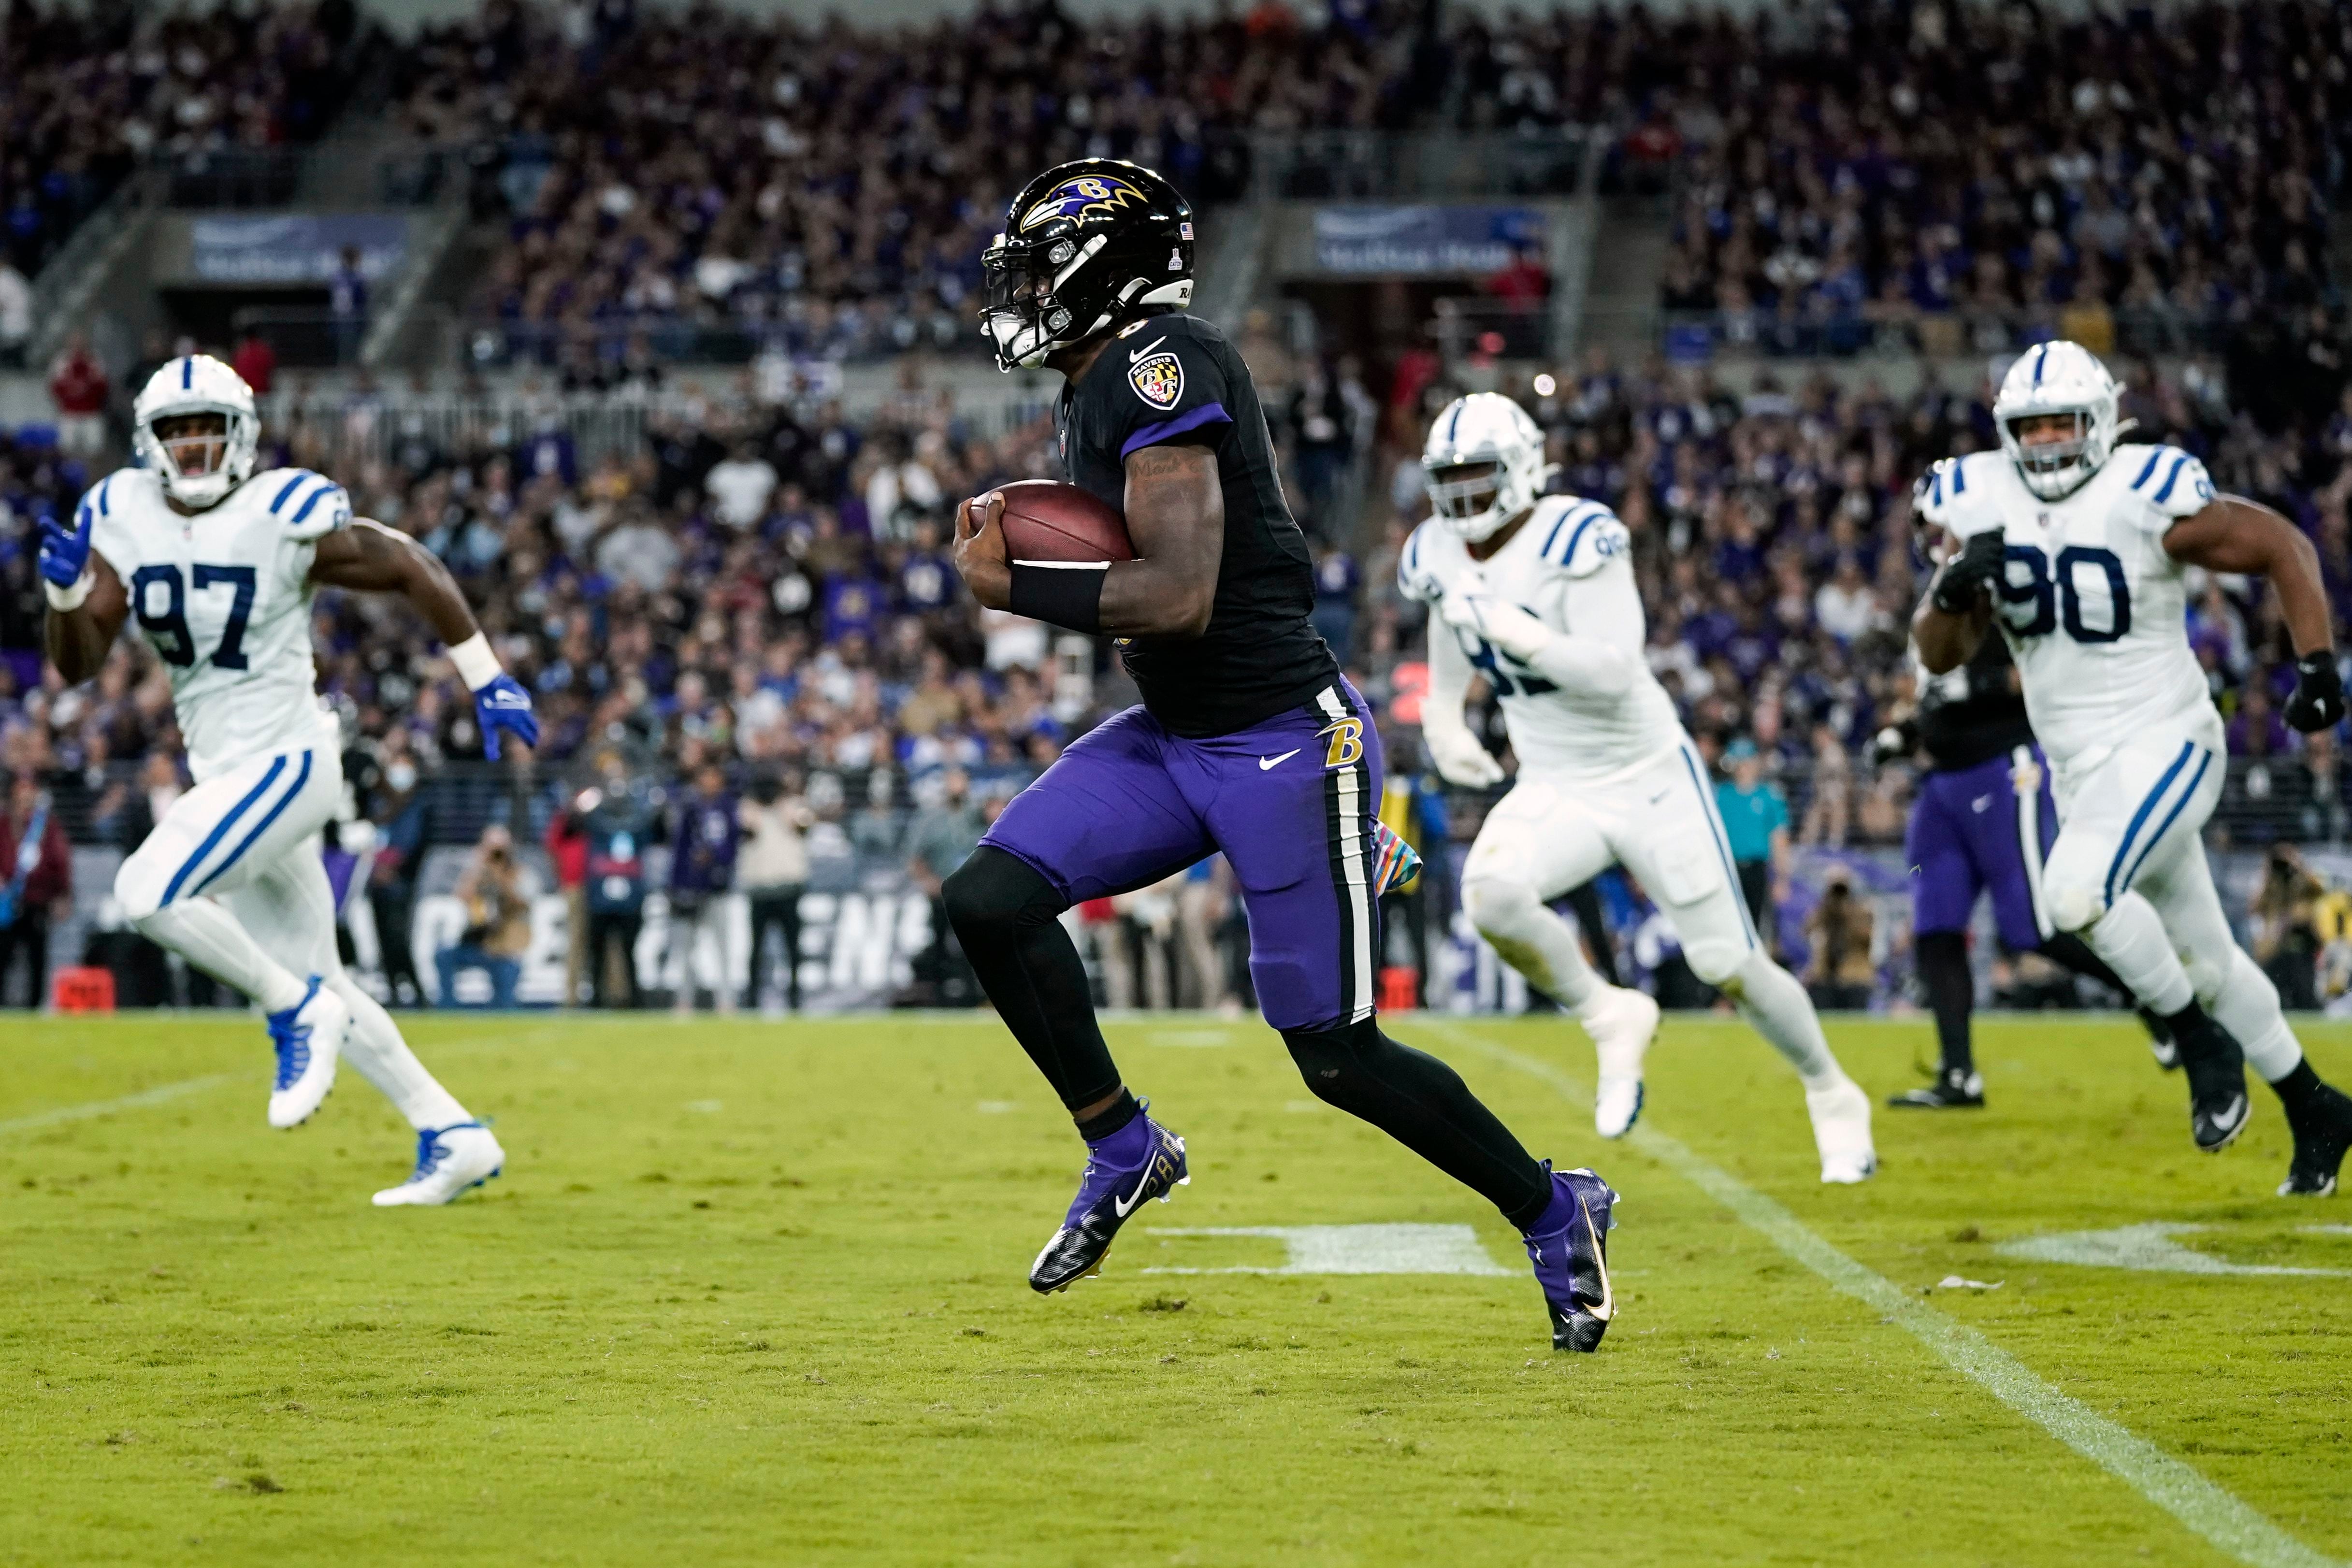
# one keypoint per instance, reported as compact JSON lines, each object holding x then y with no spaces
{"x":163,"y":615}
{"x":1505,"y":674}
{"x":2045,"y":599}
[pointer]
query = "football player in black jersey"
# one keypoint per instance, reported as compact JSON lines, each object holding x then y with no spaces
{"x":1984,"y":819}
{"x":1248,"y":741}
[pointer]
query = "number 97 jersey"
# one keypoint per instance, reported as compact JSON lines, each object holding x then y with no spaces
{"x":2092,"y":606}
{"x":223,"y":598}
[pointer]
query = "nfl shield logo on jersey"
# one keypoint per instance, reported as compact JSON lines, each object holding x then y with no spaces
{"x":1158,"y":379}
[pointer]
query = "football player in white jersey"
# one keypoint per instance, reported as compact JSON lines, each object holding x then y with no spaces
{"x":1536,"y":593}
{"x":2076,"y":548}
{"x":218,"y":565}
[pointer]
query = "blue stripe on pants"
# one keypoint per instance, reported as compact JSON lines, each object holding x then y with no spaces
{"x":263,"y":826}
{"x":220,"y":828}
{"x":2156,"y":838}
{"x":2139,"y":818}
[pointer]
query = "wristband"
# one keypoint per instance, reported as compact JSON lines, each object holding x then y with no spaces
{"x":63,"y":599}
{"x":476,"y":665}
{"x":1061,"y":593}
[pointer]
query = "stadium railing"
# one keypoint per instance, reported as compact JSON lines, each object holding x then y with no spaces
{"x":1379,"y":165}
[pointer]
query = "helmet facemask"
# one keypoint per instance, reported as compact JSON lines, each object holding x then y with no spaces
{"x":1484,"y":466}
{"x":2055,"y":468}
{"x":194,"y":427}
{"x":1021,"y":309}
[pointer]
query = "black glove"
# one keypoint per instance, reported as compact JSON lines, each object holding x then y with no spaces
{"x":1895,"y":742}
{"x":1968,"y":574}
{"x":2317,"y":701}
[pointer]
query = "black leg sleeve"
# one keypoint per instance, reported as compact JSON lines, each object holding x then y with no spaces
{"x":1423,"y":1105}
{"x":1008,"y":920}
{"x":2071,"y":950}
{"x":1943,"y":957}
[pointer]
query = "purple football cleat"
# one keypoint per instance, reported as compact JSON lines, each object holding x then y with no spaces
{"x":1141,"y":1161}
{"x":1570,"y":1249}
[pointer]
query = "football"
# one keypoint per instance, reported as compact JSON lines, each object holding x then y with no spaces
{"x":1045,"y":519}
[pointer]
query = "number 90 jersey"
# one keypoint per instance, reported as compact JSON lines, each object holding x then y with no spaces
{"x":223,"y":598}
{"x":1568,"y":566}
{"x":2092,"y":605}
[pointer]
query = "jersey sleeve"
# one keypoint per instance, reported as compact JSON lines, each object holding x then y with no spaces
{"x":308,"y":505}
{"x":1584,"y":539}
{"x":1956,"y":494}
{"x":2169,"y":484}
{"x":1417,"y":576}
{"x":1164,"y":385}
{"x":111,"y":534}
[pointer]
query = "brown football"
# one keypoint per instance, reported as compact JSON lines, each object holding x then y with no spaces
{"x":1045,"y":519}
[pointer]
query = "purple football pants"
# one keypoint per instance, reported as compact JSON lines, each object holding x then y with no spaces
{"x":1291,"y":802}
{"x":1975,"y":829}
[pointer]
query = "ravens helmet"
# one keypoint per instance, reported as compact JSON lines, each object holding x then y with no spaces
{"x":1085,"y":246}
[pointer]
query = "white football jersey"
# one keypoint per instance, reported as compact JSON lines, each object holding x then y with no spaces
{"x":1568,"y":548}
{"x":2094,"y":607}
{"x":223,"y":598}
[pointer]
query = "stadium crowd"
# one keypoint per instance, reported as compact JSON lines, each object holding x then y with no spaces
{"x":2134,"y":180}
{"x":87,"y":93}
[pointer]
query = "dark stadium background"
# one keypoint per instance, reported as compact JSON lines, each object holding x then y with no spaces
{"x":525,"y":278}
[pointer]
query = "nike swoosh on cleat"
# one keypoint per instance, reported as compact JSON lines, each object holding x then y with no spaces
{"x":2237,"y":1115}
{"x":1267,"y":763}
{"x":1147,"y":348}
{"x":1123,"y":1206}
{"x":1600,"y":1260}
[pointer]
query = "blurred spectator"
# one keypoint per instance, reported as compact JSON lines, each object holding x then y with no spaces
{"x":497,"y":921}
{"x":703,"y":846}
{"x":2286,"y":943}
{"x":36,"y":877}
{"x":739,"y":487}
{"x":567,"y":851}
{"x":773,"y":871}
{"x":16,"y":314}
{"x":347,"y":304}
{"x":404,"y":830}
{"x":1840,"y":970}
{"x":80,"y":389}
{"x":942,"y":838}
{"x":257,"y":362}
{"x":618,"y":828}
{"x":1756,"y":823}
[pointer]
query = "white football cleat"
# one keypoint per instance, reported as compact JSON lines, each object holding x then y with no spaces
{"x":308,"y":1038}
{"x":1622,"y":1023}
{"x":1841,"y":1131}
{"x":449,"y":1160}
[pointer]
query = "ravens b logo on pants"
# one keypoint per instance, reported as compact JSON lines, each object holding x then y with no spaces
{"x":1346,"y":745}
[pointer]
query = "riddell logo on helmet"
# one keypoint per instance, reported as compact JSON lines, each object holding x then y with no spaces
{"x":1083,"y":197}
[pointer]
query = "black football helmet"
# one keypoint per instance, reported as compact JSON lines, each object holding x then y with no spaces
{"x":1086,"y":246}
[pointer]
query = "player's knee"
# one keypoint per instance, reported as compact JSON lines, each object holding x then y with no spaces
{"x":1718,"y":962}
{"x":139,"y":887}
{"x":993,"y":890}
{"x":2073,"y":905}
{"x":1498,"y":904}
{"x":1323,"y":1058}
{"x":2210,"y":975}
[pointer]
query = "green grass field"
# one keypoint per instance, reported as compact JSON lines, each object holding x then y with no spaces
{"x":754,"y":1292}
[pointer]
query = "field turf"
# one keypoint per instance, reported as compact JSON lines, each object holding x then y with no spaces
{"x":753,"y":1293}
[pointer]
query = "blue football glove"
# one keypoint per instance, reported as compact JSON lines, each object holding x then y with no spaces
{"x":504,"y":704}
{"x":64,"y":552}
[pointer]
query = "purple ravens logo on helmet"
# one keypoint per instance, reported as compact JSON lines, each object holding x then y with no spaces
{"x":1082,"y":197}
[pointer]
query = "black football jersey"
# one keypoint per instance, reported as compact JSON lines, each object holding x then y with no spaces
{"x":1174,"y":379}
{"x":1975,"y":711}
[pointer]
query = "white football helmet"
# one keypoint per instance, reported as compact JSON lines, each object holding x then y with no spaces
{"x":1485,"y":460}
{"x":197,"y":384}
{"x":2058,"y":378}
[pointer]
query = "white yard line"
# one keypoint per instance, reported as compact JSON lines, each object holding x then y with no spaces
{"x":164,"y":1093}
{"x":161,"y":1094}
{"x":2180,"y":1491}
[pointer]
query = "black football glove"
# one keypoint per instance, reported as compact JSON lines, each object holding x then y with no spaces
{"x":1895,"y":742}
{"x":1966,"y":575}
{"x":2317,"y":701}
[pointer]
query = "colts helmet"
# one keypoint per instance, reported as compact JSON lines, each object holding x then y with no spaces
{"x":2062,"y":379}
{"x":1484,"y":462}
{"x":197,"y":384}
{"x":1085,"y":246}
